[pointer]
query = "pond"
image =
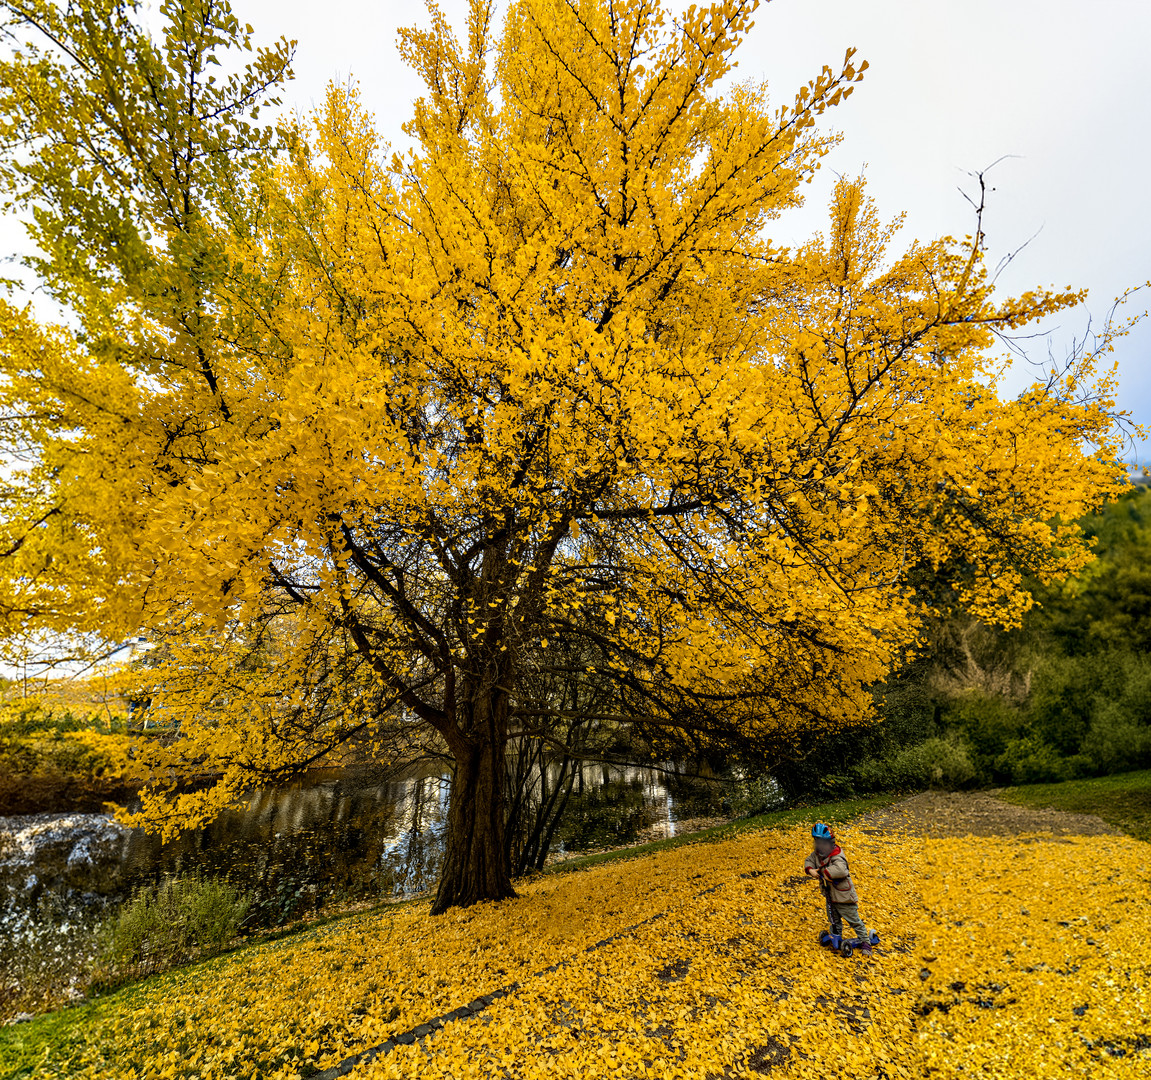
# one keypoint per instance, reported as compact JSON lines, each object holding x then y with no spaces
{"x":325,"y":837}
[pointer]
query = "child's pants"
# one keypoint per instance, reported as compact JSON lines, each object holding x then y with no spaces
{"x":837,"y":912}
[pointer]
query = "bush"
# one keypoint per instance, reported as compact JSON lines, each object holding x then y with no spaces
{"x":1094,"y":710}
{"x":831,"y":787}
{"x":1060,"y":703}
{"x":1030,"y":760}
{"x":987,"y":724}
{"x":1067,"y":693}
{"x":1116,"y":741}
{"x":937,"y":762}
{"x":44,"y":740}
{"x":162,"y":926}
{"x":755,"y":796}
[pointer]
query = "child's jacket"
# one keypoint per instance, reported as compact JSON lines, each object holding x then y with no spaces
{"x":834,"y":877}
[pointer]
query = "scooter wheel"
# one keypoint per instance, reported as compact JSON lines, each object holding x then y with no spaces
{"x":822,"y":939}
{"x":845,"y":950}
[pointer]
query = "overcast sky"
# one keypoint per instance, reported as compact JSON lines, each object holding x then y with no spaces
{"x":951,"y":87}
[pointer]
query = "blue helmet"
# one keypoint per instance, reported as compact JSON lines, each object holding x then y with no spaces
{"x":821,"y":831}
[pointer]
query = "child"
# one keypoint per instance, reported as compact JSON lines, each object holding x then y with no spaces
{"x":828,"y":863}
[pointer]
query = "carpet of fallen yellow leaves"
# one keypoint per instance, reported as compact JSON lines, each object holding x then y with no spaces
{"x":998,"y":958}
{"x":1035,"y":957}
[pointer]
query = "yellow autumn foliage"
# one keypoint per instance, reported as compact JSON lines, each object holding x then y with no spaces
{"x":39,"y":735}
{"x":416,"y":420}
{"x":717,"y":966}
{"x":1035,"y":949}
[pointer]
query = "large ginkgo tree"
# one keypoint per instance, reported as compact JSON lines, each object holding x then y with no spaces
{"x":375,"y":445}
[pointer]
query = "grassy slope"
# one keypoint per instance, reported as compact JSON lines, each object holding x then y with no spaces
{"x":23,"y":1044}
{"x":1123,"y":800}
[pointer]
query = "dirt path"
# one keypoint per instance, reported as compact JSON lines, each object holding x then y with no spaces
{"x":978,"y":813}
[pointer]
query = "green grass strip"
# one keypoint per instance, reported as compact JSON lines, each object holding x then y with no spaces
{"x":1123,"y":800}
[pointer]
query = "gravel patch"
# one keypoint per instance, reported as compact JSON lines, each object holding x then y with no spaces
{"x":978,"y":813}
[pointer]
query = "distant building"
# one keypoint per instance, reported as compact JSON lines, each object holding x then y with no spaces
{"x":129,"y":650}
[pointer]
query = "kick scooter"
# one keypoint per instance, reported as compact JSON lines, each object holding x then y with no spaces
{"x":846,"y":946}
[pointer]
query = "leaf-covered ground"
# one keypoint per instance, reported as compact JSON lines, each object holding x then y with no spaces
{"x":978,"y":813}
{"x":1001,"y":956}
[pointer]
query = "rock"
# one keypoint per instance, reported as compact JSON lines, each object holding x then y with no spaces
{"x":81,"y":854}
{"x":68,"y":857}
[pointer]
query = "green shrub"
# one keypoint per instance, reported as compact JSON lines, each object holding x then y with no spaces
{"x":1094,"y":700}
{"x":877,"y":774}
{"x":755,"y":796}
{"x":178,"y":919}
{"x":1079,"y":766}
{"x":834,"y":786}
{"x":987,"y":724}
{"x":1059,"y":705}
{"x":1030,"y":760}
{"x":1117,"y":741}
{"x":938,"y":762}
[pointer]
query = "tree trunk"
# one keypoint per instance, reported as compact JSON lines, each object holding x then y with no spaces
{"x":476,"y":858}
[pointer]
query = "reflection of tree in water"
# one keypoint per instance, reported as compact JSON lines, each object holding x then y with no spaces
{"x":411,"y":856}
{"x":613,"y":813}
{"x":613,"y":805}
{"x":317,"y":840}
{"x":334,"y":835}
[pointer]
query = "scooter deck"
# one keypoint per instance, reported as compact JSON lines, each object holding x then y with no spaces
{"x":846,"y":946}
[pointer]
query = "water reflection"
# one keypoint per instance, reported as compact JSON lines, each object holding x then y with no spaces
{"x":328,"y":836}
